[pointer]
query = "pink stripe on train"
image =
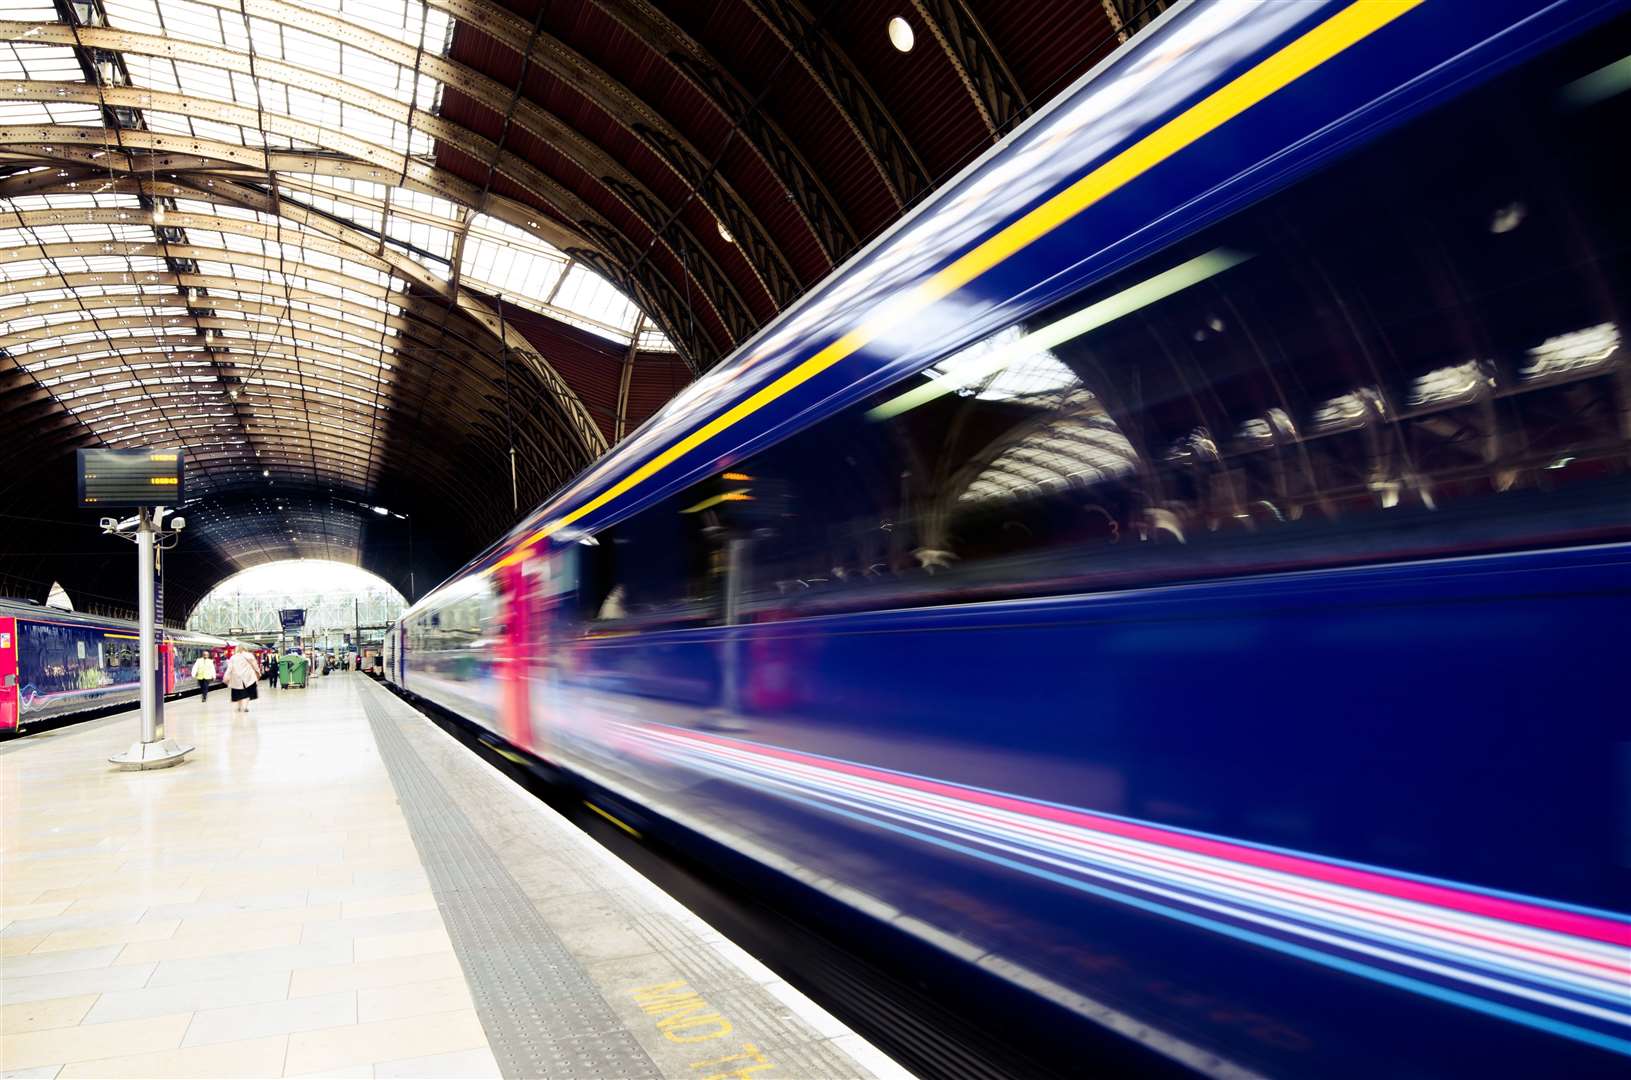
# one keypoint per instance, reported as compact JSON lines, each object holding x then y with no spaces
{"x":1554,"y":920}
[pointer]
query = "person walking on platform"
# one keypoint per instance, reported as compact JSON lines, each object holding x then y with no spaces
{"x":204,"y":672}
{"x":271,"y":670}
{"x":243,"y":675}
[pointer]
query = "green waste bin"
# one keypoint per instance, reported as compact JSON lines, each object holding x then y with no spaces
{"x":292,"y":672}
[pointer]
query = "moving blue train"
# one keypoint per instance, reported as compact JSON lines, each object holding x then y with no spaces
{"x":1182,"y":569}
{"x":57,"y":665}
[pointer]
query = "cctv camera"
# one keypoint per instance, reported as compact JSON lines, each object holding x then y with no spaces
{"x":109,"y":524}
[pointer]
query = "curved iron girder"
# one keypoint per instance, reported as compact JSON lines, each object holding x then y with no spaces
{"x":457,"y":500}
{"x":338,"y":465}
{"x":140,"y":388}
{"x":171,"y":279}
{"x":321,"y":233}
{"x":481,"y":88}
{"x":295,"y":453}
{"x":1128,"y":17}
{"x":219,"y":162}
{"x":229,"y":363}
{"x":158,"y":362}
{"x":714,"y":288}
{"x":474,"y":373}
{"x":106,"y":392}
{"x":154,"y":250}
{"x":313,"y":330}
{"x":229,"y":313}
{"x":993,"y":88}
{"x":508,"y":210}
{"x":167,"y":153}
{"x":801,"y":183}
{"x":157,"y":351}
{"x":636,"y":116}
{"x":274,"y":430}
{"x":270,"y":291}
{"x":898,"y":164}
{"x":540,"y":453}
{"x":164,"y":280}
{"x":323,"y":242}
{"x":570,"y":460}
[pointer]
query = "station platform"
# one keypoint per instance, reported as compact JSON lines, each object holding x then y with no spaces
{"x":332,"y":886}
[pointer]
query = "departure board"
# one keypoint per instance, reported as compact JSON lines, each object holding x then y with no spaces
{"x":131,"y":478}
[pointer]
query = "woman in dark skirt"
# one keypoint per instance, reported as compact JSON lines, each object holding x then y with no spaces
{"x":243,"y":677}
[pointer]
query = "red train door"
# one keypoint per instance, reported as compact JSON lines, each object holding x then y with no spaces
{"x":167,"y":665}
{"x":8,"y":675}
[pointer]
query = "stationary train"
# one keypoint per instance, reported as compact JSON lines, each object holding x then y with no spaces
{"x":57,"y":664}
{"x":1182,"y":569}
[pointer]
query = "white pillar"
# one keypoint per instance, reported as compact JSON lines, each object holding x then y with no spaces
{"x":147,"y":639}
{"x":153,"y":751}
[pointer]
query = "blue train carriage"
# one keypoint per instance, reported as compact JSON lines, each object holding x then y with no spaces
{"x":57,"y":664}
{"x":1182,"y":568}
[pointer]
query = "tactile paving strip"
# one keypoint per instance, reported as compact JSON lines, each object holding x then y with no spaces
{"x":543,"y":1015}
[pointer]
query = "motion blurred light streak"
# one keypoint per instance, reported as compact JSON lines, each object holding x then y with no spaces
{"x":1550,"y":966}
{"x":1072,"y":326}
{"x":739,"y":495}
{"x":1600,"y":85}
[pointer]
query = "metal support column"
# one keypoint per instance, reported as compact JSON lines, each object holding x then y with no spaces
{"x":153,"y":751}
{"x":625,"y":380}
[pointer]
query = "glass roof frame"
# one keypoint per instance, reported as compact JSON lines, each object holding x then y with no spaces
{"x":126,"y":285}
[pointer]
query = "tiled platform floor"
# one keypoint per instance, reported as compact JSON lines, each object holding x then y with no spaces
{"x":262,"y":911}
{"x":257,"y":911}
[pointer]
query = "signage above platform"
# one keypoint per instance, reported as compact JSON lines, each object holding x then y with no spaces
{"x":131,"y":478}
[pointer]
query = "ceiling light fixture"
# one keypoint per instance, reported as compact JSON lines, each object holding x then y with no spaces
{"x":900,"y":34}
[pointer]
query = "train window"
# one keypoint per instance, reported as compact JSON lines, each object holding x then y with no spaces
{"x":661,"y":568}
{"x":61,"y":659}
{"x":1418,"y":351}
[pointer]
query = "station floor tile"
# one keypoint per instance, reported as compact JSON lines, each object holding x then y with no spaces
{"x":262,"y":910}
{"x":259,"y":910}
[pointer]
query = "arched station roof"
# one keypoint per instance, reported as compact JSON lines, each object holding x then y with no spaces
{"x":356,"y":256}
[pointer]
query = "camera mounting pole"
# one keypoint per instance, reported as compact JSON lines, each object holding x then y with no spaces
{"x":154,"y":750}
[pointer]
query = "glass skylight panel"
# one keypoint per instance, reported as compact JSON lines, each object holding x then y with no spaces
{"x":151,"y":72}
{"x":219,"y":132}
{"x":196,"y":206}
{"x":655,"y":341}
{"x":330,"y":340}
{"x":22,"y":60}
{"x":363,"y":67}
{"x":47,"y":112}
{"x":134,"y":15}
{"x":501,"y":259}
{"x":182,"y":18}
{"x":425,"y":206}
{"x":246,"y":89}
{"x":588,"y":294}
{"x":202,"y":80}
{"x":429,"y":239}
{"x":24,"y":112}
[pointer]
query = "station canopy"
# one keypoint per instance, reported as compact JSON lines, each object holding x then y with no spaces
{"x":356,"y":256}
